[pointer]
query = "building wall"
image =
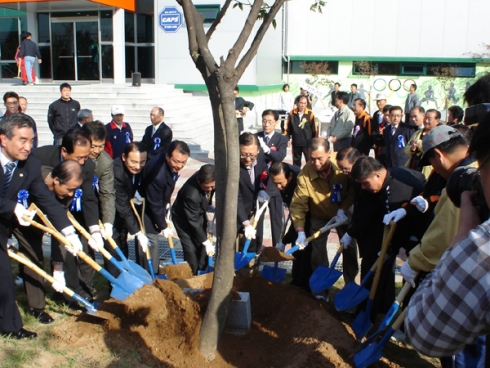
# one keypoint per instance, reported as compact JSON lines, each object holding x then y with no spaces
{"x":174,"y":64}
{"x":389,"y":28}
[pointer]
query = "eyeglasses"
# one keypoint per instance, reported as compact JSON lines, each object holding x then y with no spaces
{"x":11,"y":103}
{"x":248,"y":156}
{"x":395,"y":116}
{"x":268,"y":122}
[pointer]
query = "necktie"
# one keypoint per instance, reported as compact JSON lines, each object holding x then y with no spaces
{"x":9,"y":169}
{"x":154,"y":131}
{"x":266,"y":139}
{"x":393,"y":130}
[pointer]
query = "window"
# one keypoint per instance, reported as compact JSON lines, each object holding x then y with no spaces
{"x":466,"y":70}
{"x":210,"y":12}
{"x":297,"y":66}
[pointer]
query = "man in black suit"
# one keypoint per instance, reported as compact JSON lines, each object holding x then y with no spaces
{"x":20,"y":171}
{"x":127,"y":179}
{"x":76,"y":145}
{"x":253,"y":178}
{"x":333,"y":94}
{"x":241,"y":108}
{"x":190,"y":218}
{"x":275,"y":147}
{"x":158,"y":182}
{"x":158,"y":135}
{"x":396,"y":137}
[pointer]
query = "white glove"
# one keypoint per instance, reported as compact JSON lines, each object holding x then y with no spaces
{"x":346,"y":240}
{"x":142,"y":240}
{"x":420,"y":203}
{"x":280,"y":247}
{"x":301,"y":240}
{"x":108,"y":232}
{"x":20,"y":211}
{"x":250,"y":232}
{"x":167,"y":232}
{"x":96,"y":242}
{"x":394,"y":216}
{"x":342,"y":216}
{"x":210,"y":248}
{"x":59,"y":281}
{"x":263,"y":145}
{"x":10,"y":244}
{"x":408,"y":274}
{"x":76,"y":244}
{"x":211,"y":209}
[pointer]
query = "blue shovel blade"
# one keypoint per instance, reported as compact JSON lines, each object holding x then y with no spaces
{"x":323,"y":278}
{"x":274,"y":274}
{"x":362,"y":324}
{"x":350,"y":296}
{"x":241,"y":260}
{"x":128,"y":283}
{"x":161,"y":276}
{"x":118,"y":293}
{"x":373,"y":352}
{"x":138,"y":271}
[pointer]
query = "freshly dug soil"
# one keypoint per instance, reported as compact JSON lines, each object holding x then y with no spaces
{"x":174,"y":272}
{"x":161,"y":324}
{"x":271,"y":254}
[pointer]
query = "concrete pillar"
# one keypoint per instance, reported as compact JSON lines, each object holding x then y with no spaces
{"x":118,"y":46}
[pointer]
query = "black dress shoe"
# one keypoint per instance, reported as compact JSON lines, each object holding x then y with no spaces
{"x":21,"y":334}
{"x":42,"y":316}
{"x":74,"y":306}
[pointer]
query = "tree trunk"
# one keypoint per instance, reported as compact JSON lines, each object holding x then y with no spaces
{"x":227,"y":163}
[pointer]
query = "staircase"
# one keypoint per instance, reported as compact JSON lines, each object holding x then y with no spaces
{"x":189,"y":117}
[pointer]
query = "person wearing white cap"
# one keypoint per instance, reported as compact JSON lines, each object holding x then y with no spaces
{"x":119,"y":133}
{"x":378,"y":115}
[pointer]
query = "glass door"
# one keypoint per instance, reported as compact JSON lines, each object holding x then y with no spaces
{"x":75,"y":47}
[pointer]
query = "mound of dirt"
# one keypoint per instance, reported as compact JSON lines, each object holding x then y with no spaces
{"x":162,"y":324}
{"x":271,"y":254}
{"x":174,"y":272}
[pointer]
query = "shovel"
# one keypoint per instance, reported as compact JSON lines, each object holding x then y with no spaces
{"x":105,"y":253}
{"x":352,"y":294}
{"x":170,"y":240}
{"x":19,"y":257}
{"x":122,"y":287}
{"x":276,"y":274}
{"x":131,"y":266}
{"x":388,"y":317}
{"x":143,"y":230}
{"x":374,"y":352}
{"x":243,"y":258}
{"x":362,"y":324}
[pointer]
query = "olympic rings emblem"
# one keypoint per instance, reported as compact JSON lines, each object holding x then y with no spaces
{"x":405,"y":83}
{"x":399,"y":84}
{"x":379,"y":89}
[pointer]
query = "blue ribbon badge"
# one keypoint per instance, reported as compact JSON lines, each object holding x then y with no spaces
{"x":22,"y":197}
{"x":128,"y":138}
{"x":336,"y":196}
{"x":95,"y":184}
{"x":76,"y":204}
{"x":401,"y":142}
{"x":157,"y":143}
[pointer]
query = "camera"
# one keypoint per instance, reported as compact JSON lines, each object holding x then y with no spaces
{"x":467,"y":179}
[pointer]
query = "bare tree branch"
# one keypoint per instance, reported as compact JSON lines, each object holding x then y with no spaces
{"x":252,"y":51}
{"x":217,"y":21}
{"x":198,"y":44}
{"x":245,"y":33}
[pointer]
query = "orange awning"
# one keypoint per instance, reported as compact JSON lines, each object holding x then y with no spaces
{"x":123,"y":4}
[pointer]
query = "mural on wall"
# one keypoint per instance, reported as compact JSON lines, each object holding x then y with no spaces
{"x":435,"y":92}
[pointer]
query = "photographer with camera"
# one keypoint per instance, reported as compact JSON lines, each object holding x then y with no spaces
{"x":451,"y":308}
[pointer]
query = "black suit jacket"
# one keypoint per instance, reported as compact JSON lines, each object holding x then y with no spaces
{"x":396,"y":156}
{"x":125,"y":190}
{"x":240,"y":103}
{"x":157,"y":185}
{"x":164,"y":133}
{"x":247,"y":192}
{"x":189,"y":209}
{"x":27,"y":176}
{"x":278,"y":145}
{"x":51,"y":156}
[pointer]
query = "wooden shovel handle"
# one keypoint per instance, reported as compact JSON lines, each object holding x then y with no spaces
{"x":53,"y":232}
{"x":399,"y":321}
{"x":138,"y":217}
{"x":109,"y":238}
{"x":170,"y":239}
{"x":86,"y":235}
{"x":404,"y":291}
{"x":387,"y":236}
{"x":41,"y":215}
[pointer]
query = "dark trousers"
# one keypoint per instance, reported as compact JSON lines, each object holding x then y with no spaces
{"x":108,"y":265}
{"x":276,"y":213}
{"x":298,"y":151}
{"x":30,"y":241}
{"x":301,"y":271}
{"x":342,"y":143}
{"x":240,"y":125}
{"x":141,"y":258}
{"x":86,"y":272}
{"x":194,"y":252}
{"x":10,"y":320}
{"x":350,"y":262}
{"x":471,"y":356}
{"x":120,"y":236}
